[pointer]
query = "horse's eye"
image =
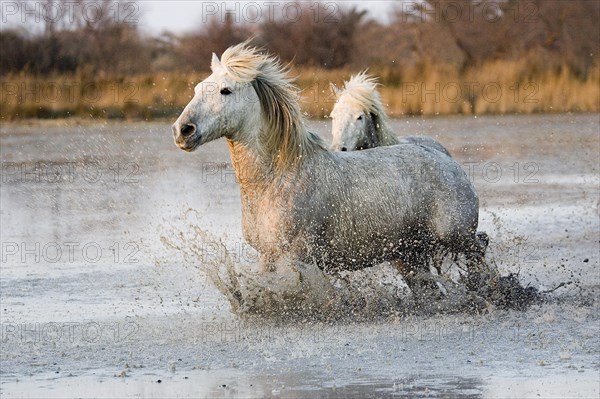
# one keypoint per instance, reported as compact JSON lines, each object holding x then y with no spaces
{"x":359,"y":118}
{"x":225,"y":91}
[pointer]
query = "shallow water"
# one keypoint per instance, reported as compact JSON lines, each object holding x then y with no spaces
{"x":94,"y":303}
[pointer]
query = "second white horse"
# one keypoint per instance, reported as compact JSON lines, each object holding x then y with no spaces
{"x":360,"y":122}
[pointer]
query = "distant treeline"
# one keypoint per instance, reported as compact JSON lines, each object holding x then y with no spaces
{"x":550,"y":33}
{"x":432,"y":56}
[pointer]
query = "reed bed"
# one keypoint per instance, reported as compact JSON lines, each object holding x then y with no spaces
{"x":491,"y":88}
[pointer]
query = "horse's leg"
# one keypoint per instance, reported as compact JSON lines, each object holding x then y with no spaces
{"x":482,"y":241}
{"x":437,"y":260}
{"x":266,"y":264}
{"x":477,"y":269}
{"x":414,"y":269}
{"x":405,"y":270}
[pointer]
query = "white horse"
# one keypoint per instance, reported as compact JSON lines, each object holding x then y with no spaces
{"x":360,"y":122}
{"x":338,"y":210}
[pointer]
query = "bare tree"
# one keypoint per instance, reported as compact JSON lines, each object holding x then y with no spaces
{"x":195,"y":49}
{"x":316,"y":38}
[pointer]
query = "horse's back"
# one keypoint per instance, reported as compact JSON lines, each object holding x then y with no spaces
{"x":425,"y":141}
{"x":421,"y":182}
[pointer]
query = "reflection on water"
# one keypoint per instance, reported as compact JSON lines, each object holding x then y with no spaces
{"x":228,"y":384}
{"x":225,"y":384}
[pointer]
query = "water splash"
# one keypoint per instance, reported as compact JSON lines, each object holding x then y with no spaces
{"x":299,"y":291}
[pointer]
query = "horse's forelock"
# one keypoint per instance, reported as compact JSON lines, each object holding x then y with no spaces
{"x":361,"y":90}
{"x":242,"y":62}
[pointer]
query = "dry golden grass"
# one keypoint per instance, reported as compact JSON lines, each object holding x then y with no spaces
{"x":135,"y":97}
{"x":492,"y":88}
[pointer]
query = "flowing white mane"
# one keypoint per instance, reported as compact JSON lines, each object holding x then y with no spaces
{"x":360,"y":92}
{"x":285,"y":139}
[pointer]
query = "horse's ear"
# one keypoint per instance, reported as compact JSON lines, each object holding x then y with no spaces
{"x":214,"y":62}
{"x":334,"y":89}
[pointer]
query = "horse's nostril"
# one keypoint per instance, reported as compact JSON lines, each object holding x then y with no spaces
{"x":344,"y":149}
{"x":187,"y":130}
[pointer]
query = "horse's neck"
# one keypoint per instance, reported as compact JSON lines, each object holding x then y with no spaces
{"x":251,"y":170}
{"x":256,"y":169}
{"x":370,"y":140}
{"x":382,"y":133}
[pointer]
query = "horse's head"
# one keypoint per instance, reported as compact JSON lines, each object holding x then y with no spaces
{"x":250,"y":99}
{"x":222,"y":106}
{"x":354,"y":114}
{"x":349,"y":125}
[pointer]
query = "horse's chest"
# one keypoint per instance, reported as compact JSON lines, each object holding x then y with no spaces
{"x":267,"y":223}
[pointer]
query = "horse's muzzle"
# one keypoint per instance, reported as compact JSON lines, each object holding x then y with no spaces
{"x":184,"y":129}
{"x":338,"y":148}
{"x":185,"y":136}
